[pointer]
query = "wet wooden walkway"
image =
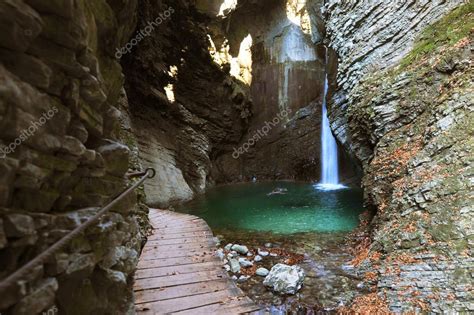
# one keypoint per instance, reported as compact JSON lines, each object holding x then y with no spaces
{"x":179,"y":273}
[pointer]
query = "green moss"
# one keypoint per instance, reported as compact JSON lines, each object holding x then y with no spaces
{"x":442,"y":232}
{"x":447,"y":31}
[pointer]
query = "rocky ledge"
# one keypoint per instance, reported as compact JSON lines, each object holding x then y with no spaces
{"x":60,"y":135}
{"x":410,"y":125}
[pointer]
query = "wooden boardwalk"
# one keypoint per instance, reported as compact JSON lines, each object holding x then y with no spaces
{"x":179,"y":273}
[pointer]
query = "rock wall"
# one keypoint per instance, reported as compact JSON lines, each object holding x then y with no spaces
{"x":371,"y":36}
{"x":289,"y":65}
{"x":60,"y":130}
{"x":404,"y":108}
{"x":185,"y":109}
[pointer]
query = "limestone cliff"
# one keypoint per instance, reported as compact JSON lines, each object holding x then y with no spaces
{"x":60,"y":135}
{"x":184,"y":108}
{"x":288,"y":67}
{"x":404,"y":108}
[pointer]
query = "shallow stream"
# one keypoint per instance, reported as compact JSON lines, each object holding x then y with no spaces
{"x":296,"y":218}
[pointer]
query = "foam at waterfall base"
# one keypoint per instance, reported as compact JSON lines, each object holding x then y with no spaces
{"x":329,"y":187}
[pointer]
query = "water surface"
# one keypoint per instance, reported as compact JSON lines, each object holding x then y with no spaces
{"x":301,"y":209}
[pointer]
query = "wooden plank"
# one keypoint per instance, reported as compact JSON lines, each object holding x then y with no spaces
{"x":179,"y":235}
{"x":198,"y":253}
{"x":180,"y":291}
{"x":178,"y":241}
{"x":180,"y":269}
{"x":187,"y":278}
{"x":203,"y":246}
{"x":179,"y":225}
{"x":230,"y":307}
{"x":184,"y":229}
{"x":179,"y":272}
{"x":156,"y":263}
{"x":185,"y":303}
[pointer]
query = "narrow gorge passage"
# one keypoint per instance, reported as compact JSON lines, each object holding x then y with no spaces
{"x":236,"y":156}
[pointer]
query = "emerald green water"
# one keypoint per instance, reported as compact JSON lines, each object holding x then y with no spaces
{"x":302,"y":209}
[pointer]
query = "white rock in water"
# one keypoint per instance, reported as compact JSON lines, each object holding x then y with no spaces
{"x":263,"y":253}
{"x":262,"y":272}
{"x":268,"y":245}
{"x":244,"y":262}
{"x":228,"y":247}
{"x":243,"y":278}
{"x":232,"y":254}
{"x":234,"y":265}
{"x":258,"y":258}
{"x":220,"y":253}
{"x":241,"y":249}
{"x":285,"y":279}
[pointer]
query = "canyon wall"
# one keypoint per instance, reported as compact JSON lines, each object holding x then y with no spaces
{"x":184,"y":108}
{"x":288,"y":68}
{"x":404,"y":109}
{"x":61,"y":136}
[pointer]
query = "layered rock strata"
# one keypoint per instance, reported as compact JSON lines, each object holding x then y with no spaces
{"x":289,"y":67}
{"x":60,"y":131}
{"x":184,"y":108}
{"x":404,"y":108}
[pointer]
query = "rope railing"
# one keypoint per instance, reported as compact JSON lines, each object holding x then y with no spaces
{"x":44,"y":256}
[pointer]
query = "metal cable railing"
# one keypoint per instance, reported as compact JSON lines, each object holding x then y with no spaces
{"x":43,"y":257}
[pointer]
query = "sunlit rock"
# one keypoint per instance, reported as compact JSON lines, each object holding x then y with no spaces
{"x":285,"y":279}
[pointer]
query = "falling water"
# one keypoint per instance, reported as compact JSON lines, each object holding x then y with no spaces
{"x":329,"y":158}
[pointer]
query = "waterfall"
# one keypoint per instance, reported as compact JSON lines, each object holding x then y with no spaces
{"x":329,"y":158}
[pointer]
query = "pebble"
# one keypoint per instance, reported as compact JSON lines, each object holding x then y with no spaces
{"x":228,"y":247}
{"x":243,"y":278}
{"x":241,"y":249}
{"x":262,"y":272}
{"x":262,"y":253}
{"x":227,"y":267}
{"x":234,"y":265}
{"x":268,"y":245}
{"x":258,"y":258}
{"x":232,"y":254}
{"x":244,"y":262}
{"x":273,"y":254}
{"x":220,"y":253}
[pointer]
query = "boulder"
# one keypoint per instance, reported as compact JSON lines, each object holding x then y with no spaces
{"x":18,"y":225}
{"x":116,"y":157}
{"x":40,"y":299}
{"x":285,"y":279}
